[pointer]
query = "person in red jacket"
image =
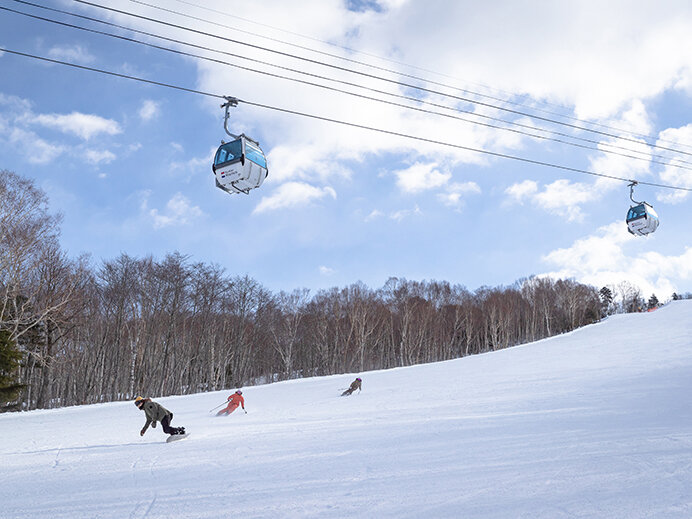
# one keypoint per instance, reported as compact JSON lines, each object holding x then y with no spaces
{"x":235,"y":400}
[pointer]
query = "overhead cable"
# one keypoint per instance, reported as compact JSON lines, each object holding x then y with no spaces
{"x":345,"y":123}
{"x":364,"y":74}
{"x":329,"y":54}
{"x":648,"y":157}
{"x":605,"y":147}
{"x":376,"y":67}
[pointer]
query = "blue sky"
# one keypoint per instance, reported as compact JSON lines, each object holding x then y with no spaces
{"x":128,"y":164}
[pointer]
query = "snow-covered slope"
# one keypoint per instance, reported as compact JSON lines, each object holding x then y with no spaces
{"x":596,"y":423}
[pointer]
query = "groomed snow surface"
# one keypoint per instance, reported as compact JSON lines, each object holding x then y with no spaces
{"x":592,"y":424}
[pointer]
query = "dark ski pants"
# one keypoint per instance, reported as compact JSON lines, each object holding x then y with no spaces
{"x":166,"y":424}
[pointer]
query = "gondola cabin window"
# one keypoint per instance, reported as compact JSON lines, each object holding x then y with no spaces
{"x":636,"y":212}
{"x":254,"y":154}
{"x":229,"y":152}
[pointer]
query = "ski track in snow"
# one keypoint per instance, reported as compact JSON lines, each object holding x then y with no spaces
{"x":594,"y":423}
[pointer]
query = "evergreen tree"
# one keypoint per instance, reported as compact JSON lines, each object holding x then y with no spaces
{"x":606,"y":300}
{"x":653,"y":302}
{"x":10,"y":359}
{"x":675,"y":296}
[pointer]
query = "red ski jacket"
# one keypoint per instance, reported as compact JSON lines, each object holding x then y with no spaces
{"x":237,"y":399}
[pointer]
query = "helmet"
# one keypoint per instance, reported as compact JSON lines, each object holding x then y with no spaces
{"x":239,"y":392}
{"x":358,"y":379}
{"x":139,"y":400}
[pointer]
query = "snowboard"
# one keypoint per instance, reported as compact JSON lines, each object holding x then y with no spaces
{"x":176,"y":437}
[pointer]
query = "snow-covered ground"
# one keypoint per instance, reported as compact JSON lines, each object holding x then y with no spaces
{"x":592,"y":424}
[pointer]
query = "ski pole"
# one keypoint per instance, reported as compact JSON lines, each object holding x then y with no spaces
{"x":217,"y":407}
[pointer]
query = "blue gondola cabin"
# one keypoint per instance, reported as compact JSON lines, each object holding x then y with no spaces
{"x":239,"y":166}
{"x":641,"y":219}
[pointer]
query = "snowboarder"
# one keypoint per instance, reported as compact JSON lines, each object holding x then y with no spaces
{"x":235,"y":400}
{"x":356,"y":384}
{"x":157,"y":413}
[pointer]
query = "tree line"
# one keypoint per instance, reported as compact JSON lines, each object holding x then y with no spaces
{"x":76,"y":333}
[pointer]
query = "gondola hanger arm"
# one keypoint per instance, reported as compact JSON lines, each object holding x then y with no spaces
{"x":632,"y":184}
{"x":230,"y":102}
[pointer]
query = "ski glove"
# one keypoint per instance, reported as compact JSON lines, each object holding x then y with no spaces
{"x":141,"y":433}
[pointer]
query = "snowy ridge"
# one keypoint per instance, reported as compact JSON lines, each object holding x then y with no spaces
{"x":594,"y":423}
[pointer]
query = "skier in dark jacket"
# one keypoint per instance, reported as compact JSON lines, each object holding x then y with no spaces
{"x":157,"y":413}
{"x":356,"y":384}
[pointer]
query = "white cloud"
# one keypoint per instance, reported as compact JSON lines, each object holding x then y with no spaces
{"x":595,"y":254}
{"x":15,"y":104}
{"x":18,"y":120}
{"x":149,"y":110}
{"x":143,"y":197}
{"x":633,"y":52}
{"x":523,"y":190}
{"x":401,"y":215}
{"x":454,"y":193}
{"x":326,"y":271}
{"x":629,"y":157}
{"x":635,"y":119}
{"x":195,"y":164}
{"x":374,"y":214}
{"x":631,"y":160}
{"x":99,"y":156}
{"x":421,"y":177}
{"x":292,"y":195}
{"x":671,"y":175}
{"x":612,"y":255}
{"x":35,"y":149}
{"x":684,"y":82}
{"x":562,"y":197}
{"x":178,"y":212}
{"x":85,"y":126}
{"x":295,"y":159}
{"x":72,"y":53}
